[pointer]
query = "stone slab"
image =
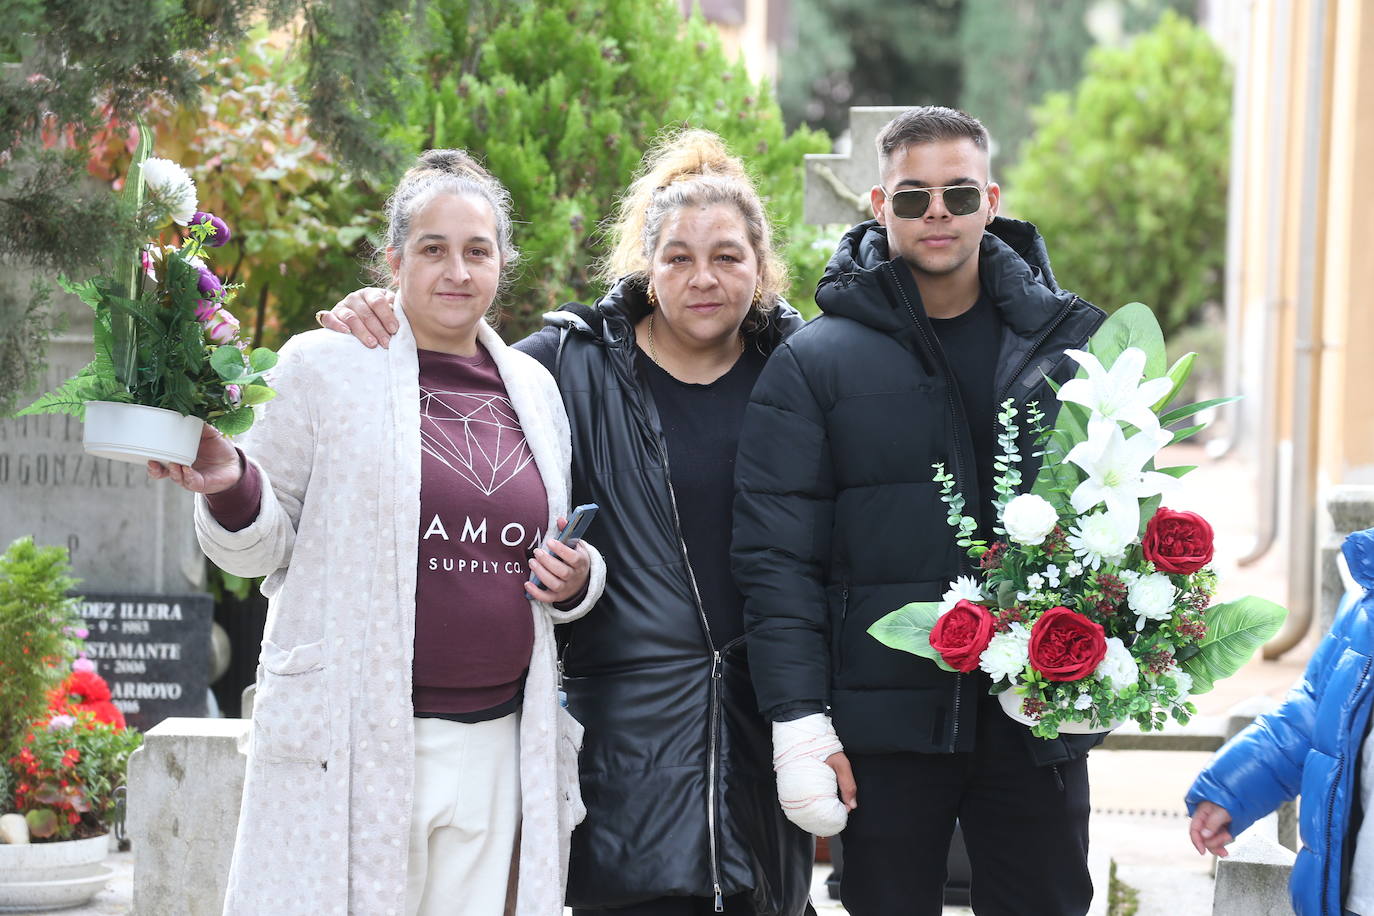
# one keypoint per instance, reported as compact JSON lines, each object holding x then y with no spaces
{"x":185,"y":788}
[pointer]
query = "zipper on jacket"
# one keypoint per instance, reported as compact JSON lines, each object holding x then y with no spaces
{"x":839,"y":637}
{"x":1025,"y":361}
{"x":954,"y":408}
{"x":713,"y":742}
{"x":714,"y":745}
{"x":1331,"y":805}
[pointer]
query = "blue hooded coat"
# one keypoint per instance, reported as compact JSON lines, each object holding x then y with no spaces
{"x":1310,"y":746}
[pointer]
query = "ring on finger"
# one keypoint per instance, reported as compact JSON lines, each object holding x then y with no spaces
{"x":319,"y":317}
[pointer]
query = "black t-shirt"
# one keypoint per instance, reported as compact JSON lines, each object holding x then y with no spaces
{"x":701,"y":425}
{"x":972,"y":342}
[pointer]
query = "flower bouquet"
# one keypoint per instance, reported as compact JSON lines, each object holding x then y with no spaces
{"x":168,"y":356}
{"x":1094,"y":604}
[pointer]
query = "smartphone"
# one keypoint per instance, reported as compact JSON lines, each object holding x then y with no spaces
{"x":577,"y":526}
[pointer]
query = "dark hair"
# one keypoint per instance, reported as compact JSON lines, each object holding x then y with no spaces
{"x":444,"y":171}
{"x":692,"y":168}
{"x":929,"y":124}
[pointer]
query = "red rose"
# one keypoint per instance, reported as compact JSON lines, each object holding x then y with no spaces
{"x":1177,"y":542}
{"x":961,"y":634}
{"x":1065,"y":646}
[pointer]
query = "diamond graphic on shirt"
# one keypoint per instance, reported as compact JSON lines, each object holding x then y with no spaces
{"x":451,"y":435}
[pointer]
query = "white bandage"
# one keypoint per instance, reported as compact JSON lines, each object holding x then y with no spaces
{"x":807,"y":788}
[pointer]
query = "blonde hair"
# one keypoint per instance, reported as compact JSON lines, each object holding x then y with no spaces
{"x":691,"y":168}
{"x":444,"y":171}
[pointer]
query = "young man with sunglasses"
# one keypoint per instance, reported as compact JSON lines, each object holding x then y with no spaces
{"x":933,"y":314}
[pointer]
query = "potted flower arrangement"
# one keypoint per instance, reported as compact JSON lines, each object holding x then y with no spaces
{"x":1094,"y":604}
{"x":168,"y":353}
{"x":64,"y":746}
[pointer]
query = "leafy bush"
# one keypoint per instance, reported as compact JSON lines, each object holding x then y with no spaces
{"x":1126,"y":176}
{"x":38,"y":626}
{"x":561,"y":98}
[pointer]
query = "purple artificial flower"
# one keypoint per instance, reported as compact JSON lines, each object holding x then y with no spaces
{"x":60,"y":722}
{"x":83,"y":664}
{"x":234,"y":393}
{"x":205,"y":310}
{"x":209,"y":285}
{"x":223,"y":327}
{"x":221,"y":234}
{"x":82,"y":632}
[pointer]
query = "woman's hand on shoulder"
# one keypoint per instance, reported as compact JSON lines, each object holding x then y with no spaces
{"x":563,"y":570}
{"x":216,"y":469}
{"x":368,"y":314}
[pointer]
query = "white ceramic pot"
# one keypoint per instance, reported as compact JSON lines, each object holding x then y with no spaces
{"x":52,"y":876}
{"x":1011,"y":705}
{"x":134,"y":433}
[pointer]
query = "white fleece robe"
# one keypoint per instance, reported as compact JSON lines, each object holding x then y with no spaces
{"x":327,"y":799}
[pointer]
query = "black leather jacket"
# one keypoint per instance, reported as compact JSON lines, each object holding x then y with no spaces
{"x":676,"y":765}
{"x":837,"y":518}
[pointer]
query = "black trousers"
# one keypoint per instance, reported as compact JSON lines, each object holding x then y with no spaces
{"x":1026,"y":829}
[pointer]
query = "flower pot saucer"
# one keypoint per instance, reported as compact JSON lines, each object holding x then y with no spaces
{"x":1011,"y":705}
{"x":137,"y":434}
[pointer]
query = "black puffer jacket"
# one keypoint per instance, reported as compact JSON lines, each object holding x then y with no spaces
{"x":676,"y":765}
{"x":837,"y":519}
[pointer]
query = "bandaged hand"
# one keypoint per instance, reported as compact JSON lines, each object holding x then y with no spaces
{"x":809,"y":788}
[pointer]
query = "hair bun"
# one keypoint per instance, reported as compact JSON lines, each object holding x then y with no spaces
{"x":450,"y":162}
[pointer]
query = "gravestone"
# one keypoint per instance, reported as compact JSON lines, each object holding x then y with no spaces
{"x":838,"y":185}
{"x":153,"y":651}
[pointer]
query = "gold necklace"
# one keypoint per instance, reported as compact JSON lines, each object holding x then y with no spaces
{"x":653,"y":352}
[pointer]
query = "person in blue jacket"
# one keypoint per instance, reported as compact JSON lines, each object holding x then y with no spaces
{"x":1315,"y":746}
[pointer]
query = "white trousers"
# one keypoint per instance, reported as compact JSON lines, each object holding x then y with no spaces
{"x":466,"y":817}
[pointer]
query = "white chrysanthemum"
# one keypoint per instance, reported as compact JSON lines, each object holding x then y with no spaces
{"x":171,"y":189}
{"x":964,"y":588}
{"x":1117,"y":666}
{"x":1007,"y":654}
{"x":1098,"y":538}
{"x":1083,"y":702}
{"x":1183,"y":681}
{"x":1152,"y":596}
{"x":1029,"y":518}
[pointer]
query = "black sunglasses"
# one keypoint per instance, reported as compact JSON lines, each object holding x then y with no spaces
{"x":912,"y":203}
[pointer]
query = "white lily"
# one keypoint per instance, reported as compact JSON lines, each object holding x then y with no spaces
{"x":1116,"y":473}
{"x":1116,"y":394}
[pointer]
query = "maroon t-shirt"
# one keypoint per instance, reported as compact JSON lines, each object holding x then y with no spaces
{"x":482,"y":512}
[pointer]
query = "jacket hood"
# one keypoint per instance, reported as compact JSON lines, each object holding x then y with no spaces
{"x":1014,"y":271}
{"x":1359,"y":556}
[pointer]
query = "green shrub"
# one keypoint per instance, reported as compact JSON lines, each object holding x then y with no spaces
{"x":1126,"y":176}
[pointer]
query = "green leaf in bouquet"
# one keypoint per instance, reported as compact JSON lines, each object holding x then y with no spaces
{"x":257,"y":394}
{"x":1234,"y":631}
{"x":1178,"y":374}
{"x":235,"y":422}
{"x":907,"y":629}
{"x":227,"y":363}
{"x":142,"y":311}
{"x":87,"y":291}
{"x":1178,"y":470}
{"x":1132,"y":325}
{"x":1188,"y":410}
{"x":262,"y":359}
{"x":1181,"y":434}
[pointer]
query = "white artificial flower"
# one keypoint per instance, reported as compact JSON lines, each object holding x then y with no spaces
{"x":1152,"y":596}
{"x":1116,"y":475}
{"x":964,"y":588}
{"x":170,"y":188}
{"x":1183,"y":681}
{"x":1029,"y":518}
{"x":1073,"y":569}
{"x":1035,"y":581}
{"x":1052,"y":575}
{"x":1117,"y":395}
{"x":1030,"y":596}
{"x":1128,"y":576}
{"x":1117,"y":666}
{"x":1084,"y":701}
{"x":1097,"y":538}
{"x":1007,"y":654}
